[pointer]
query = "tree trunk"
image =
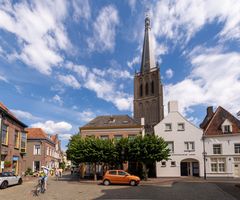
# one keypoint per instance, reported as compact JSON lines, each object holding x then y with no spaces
{"x":145,"y":171}
{"x":95,"y":173}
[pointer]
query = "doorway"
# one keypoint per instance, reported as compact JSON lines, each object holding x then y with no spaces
{"x":237,"y":170}
{"x":189,"y":167}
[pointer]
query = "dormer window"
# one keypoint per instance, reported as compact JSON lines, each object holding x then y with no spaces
{"x":168,"y":127}
{"x":226,"y":127}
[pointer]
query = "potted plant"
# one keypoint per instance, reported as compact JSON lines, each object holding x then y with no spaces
{"x":7,"y":164}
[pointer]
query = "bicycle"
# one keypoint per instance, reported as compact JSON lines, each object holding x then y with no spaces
{"x":39,"y":187}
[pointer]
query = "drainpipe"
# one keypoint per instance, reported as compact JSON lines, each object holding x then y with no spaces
{"x":204,"y":158}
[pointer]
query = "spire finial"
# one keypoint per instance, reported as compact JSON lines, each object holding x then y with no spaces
{"x":147,"y":21}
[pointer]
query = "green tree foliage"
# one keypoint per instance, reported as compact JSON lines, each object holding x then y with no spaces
{"x":147,"y":150}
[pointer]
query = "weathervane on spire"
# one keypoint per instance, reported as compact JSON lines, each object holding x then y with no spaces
{"x":147,"y":20}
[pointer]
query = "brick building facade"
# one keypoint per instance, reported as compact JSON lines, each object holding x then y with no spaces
{"x":43,"y":150}
{"x":13,"y":142}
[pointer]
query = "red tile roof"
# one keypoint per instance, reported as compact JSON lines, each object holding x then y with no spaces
{"x":36,"y":133}
{"x":213,"y":126}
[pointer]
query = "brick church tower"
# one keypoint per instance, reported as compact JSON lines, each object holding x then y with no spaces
{"x":148,"y":89}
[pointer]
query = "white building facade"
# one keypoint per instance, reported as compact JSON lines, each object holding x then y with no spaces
{"x":222,"y":143}
{"x":185,"y":143}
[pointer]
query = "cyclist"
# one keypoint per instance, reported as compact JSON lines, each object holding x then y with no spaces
{"x":45,"y":176}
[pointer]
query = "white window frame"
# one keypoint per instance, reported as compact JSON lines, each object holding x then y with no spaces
{"x":189,"y":146}
{"x":163,"y":163}
{"x":215,"y":149}
{"x":218,"y":165}
{"x":237,"y":148}
{"x":170,"y":143}
{"x":35,"y":151}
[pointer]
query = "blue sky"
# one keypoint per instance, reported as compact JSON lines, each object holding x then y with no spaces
{"x":64,"y":62}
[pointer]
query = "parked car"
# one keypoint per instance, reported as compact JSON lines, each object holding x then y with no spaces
{"x":120,"y":177}
{"x":8,"y":178}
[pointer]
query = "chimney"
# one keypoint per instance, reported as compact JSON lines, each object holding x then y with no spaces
{"x":210,"y":111}
{"x":172,"y":106}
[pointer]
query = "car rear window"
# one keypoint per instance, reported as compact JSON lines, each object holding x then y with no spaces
{"x":112,"y":172}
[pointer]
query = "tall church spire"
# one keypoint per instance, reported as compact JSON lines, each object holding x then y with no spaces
{"x":148,"y":60}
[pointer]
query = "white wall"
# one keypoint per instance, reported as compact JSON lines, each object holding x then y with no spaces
{"x":191,"y":133}
{"x":227,"y":142}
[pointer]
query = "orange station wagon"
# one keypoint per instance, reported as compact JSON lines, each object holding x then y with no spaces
{"x":120,"y":177}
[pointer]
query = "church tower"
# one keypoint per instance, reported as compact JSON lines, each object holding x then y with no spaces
{"x":148,"y":89}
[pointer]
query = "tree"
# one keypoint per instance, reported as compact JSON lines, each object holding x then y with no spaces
{"x":147,"y":150}
{"x":122,"y":148}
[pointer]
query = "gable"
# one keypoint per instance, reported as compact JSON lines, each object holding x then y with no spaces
{"x":222,"y":117}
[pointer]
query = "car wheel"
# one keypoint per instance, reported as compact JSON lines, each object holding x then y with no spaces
{"x":20,"y":181}
{"x":133,"y":183}
{"x":106,"y":182}
{"x":4,"y":184}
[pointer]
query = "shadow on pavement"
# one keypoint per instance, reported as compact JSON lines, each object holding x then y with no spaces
{"x":179,"y":191}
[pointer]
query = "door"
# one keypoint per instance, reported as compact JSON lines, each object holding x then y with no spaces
{"x":237,"y":170}
{"x":122,"y":177}
{"x":195,"y":169}
{"x":184,"y":169}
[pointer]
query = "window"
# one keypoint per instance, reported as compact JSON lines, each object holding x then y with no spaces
{"x":227,"y":129}
{"x":4,"y":134}
{"x":173,"y":163}
{"x":218,"y":165}
{"x":163,"y":164}
{"x":113,"y":172}
{"x":90,"y":136}
{"x":104,"y":137}
{"x":23,"y":142}
{"x":237,"y":148}
{"x":146,"y":89}
{"x":181,"y":127}
{"x":189,"y":146}
{"x":168,"y":127}
{"x":217,"y":149}
{"x":141,"y":90}
{"x":47,"y":151}
{"x":118,"y":137}
{"x":152,"y":87}
{"x":37,"y":149}
{"x":122,"y":173}
{"x":16,"y":139}
{"x":36,"y":166}
{"x":131,"y":137}
{"x":171,"y":146}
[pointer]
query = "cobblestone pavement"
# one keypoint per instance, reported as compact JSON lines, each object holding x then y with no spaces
{"x":72,"y":189}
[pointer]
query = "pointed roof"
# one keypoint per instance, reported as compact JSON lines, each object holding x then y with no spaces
{"x":148,"y":60}
{"x":213,"y":126}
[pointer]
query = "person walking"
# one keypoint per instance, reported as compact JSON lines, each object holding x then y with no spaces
{"x":57,"y":174}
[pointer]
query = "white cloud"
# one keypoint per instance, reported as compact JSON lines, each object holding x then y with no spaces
{"x":134,"y":61}
{"x":107,"y":90}
{"x":81,"y":70}
{"x":69,"y":80}
{"x":58,"y":88}
{"x":18,"y":88}
{"x":52,"y":127}
{"x":40,"y":31}
{"x":24,"y":115}
{"x":86,"y":116}
{"x":104,"y":30}
{"x":57,"y":99}
{"x":214,"y":80}
{"x":3,"y":78}
{"x":171,"y":20}
{"x":81,"y":9}
{"x":132,"y":4}
{"x":169,"y":73}
{"x":65,"y":136}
